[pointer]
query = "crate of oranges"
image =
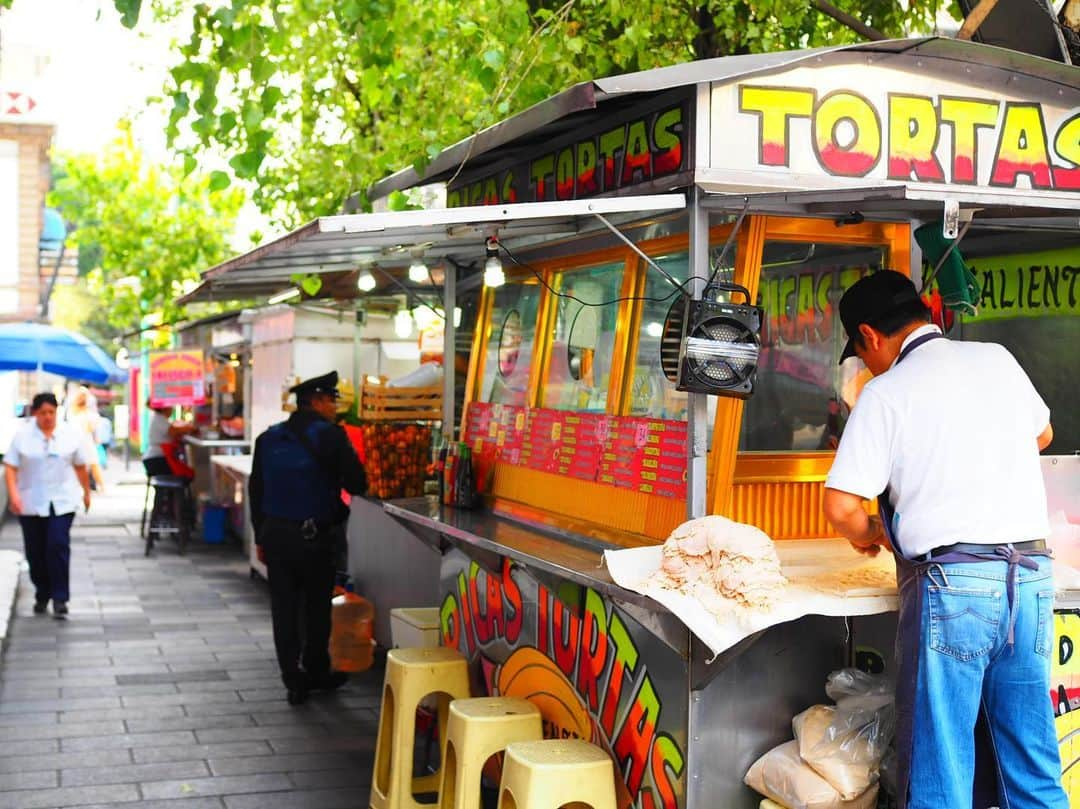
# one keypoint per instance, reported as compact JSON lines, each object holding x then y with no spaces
{"x":382,"y":402}
{"x":398,"y":455}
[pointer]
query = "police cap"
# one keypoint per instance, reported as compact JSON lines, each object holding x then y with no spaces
{"x":327,"y":383}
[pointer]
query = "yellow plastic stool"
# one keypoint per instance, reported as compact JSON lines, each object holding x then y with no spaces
{"x":412,"y":674}
{"x":767,"y":804}
{"x":550,"y":774}
{"x":478,"y":729}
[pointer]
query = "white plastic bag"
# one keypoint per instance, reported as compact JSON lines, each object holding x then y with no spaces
{"x":783,"y":777}
{"x":845,"y":744}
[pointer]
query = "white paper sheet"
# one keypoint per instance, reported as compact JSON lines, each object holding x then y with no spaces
{"x":823,"y":579}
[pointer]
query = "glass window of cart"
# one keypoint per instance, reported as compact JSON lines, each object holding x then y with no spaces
{"x":802,"y":398}
{"x":508,"y":354}
{"x":583,"y":343}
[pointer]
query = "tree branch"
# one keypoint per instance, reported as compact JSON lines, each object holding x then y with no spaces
{"x":976,"y":18}
{"x":856,"y":25}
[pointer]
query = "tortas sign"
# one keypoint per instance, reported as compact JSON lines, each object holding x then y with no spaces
{"x":874,"y":123}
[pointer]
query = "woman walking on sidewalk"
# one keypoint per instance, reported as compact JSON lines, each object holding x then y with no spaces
{"x":45,"y":468}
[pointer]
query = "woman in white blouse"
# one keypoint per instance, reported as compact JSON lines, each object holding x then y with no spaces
{"x":45,"y":469}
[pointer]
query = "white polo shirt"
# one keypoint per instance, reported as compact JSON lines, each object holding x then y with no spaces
{"x":951,"y":430}
{"x":46,"y":468}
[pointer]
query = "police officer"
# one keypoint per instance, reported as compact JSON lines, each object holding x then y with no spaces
{"x":299,"y":468}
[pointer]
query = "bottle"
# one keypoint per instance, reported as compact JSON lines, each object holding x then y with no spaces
{"x":352,"y":645}
{"x":466,"y":488}
{"x":449,"y":492}
{"x":440,"y":467}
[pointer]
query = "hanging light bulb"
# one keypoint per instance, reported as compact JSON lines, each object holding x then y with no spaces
{"x":403,"y":323}
{"x":457,"y":316}
{"x":493,"y":268}
{"x":424,"y":317}
{"x":654,"y":329}
{"x":365,"y":282}
{"x":418,"y":272}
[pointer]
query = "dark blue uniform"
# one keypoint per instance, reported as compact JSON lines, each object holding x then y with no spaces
{"x":298,"y":471}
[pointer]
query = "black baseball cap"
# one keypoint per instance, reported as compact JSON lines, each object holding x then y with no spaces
{"x":871,"y":299}
{"x":327,"y":383}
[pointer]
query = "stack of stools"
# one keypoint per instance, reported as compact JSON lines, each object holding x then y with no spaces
{"x":411,"y":675}
{"x":537,"y":774}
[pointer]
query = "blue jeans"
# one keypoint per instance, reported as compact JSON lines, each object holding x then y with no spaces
{"x":966,"y":665}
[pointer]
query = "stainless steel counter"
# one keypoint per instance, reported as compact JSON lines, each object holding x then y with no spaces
{"x":575,"y":559}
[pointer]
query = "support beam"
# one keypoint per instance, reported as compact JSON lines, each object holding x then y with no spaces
{"x":842,"y":17}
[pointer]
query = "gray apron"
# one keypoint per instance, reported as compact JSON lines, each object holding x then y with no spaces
{"x":909,"y":573}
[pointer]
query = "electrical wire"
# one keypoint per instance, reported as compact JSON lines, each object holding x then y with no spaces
{"x":679,"y":289}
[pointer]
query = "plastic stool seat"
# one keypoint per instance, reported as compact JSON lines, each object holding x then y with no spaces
{"x":411,"y":675}
{"x":552,"y":773}
{"x":767,"y":804}
{"x":478,"y":729}
{"x":168,"y":482}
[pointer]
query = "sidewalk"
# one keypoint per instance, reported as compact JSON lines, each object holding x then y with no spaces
{"x":161,"y":689}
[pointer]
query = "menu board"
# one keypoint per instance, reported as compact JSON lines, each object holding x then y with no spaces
{"x":176,"y":378}
{"x":639,"y":454}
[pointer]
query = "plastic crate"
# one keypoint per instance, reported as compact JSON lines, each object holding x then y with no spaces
{"x":415,"y":627}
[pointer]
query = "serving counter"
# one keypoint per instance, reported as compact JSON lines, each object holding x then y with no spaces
{"x":538,"y":613}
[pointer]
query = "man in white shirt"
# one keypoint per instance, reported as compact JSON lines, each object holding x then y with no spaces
{"x":947,"y":437}
{"x":45,"y":469}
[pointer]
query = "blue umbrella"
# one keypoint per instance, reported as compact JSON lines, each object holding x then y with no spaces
{"x":37,"y":347}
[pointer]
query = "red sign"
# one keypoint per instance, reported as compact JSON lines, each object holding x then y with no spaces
{"x":176,"y":379}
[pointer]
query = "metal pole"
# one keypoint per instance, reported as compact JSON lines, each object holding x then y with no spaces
{"x":449,"y":348}
{"x":697,"y":406}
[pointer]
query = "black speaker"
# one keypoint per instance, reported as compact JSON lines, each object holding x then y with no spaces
{"x":712,"y":346}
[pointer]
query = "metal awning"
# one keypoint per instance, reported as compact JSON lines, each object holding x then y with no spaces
{"x":338,"y":245}
{"x":901,"y":202}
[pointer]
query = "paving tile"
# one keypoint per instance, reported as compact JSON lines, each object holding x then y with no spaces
{"x":326,"y":779}
{"x":121,"y":739}
{"x":200,"y":752}
{"x":335,"y":745}
{"x":61,"y":731}
{"x":68,"y":796}
{"x":227,"y":785}
{"x":204,"y":675}
{"x":37,"y":747}
{"x":279,"y":763}
{"x":299,"y":799}
{"x":43,"y":779}
{"x":61,"y":761}
{"x":134,"y":773}
{"x":188,"y":803}
{"x":189,"y":723}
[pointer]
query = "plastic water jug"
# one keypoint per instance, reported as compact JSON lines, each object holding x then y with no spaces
{"x":352,"y":644}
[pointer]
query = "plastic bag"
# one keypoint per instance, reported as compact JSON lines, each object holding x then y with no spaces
{"x":845,"y":744}
{"x":785,"y":778}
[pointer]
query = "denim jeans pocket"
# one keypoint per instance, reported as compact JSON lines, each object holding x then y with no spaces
{"x":1044,"y":638}
{"x":964,"y":622}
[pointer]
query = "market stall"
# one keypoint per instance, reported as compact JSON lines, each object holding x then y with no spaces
{"x":797,"y":174}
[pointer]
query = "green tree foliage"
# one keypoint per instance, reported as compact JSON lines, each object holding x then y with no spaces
{"x":313,"y":100}
{"x":152,"y":229}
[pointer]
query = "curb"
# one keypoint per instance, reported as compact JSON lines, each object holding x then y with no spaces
{"x":9,"y":589}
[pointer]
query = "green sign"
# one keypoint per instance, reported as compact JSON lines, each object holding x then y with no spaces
{"x":1028,"y":285}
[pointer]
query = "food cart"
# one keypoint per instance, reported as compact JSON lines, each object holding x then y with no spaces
{"x":788,"y":174}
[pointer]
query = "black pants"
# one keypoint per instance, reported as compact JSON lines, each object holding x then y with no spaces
{"x":47,"y":541}
{"x":301,"y":576}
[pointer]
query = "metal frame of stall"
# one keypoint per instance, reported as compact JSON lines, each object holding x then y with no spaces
{"x":529,"y":603}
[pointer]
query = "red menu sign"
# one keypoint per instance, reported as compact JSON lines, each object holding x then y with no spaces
{"x":645,"y":455}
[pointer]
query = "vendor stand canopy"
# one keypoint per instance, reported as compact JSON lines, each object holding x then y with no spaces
{"x":900,"y":129}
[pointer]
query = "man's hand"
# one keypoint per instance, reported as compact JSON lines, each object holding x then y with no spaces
{"x":873,"y":545}
{"x":86,"y":499}
{"x":15,"y":503}
{"x":846,"y":514}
